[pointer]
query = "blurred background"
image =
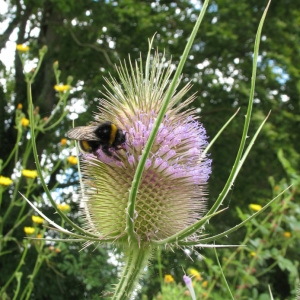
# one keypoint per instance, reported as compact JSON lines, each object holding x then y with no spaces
{"x":87,"y":38}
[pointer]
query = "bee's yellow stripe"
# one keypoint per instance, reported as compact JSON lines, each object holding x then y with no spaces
{"x":113,"y":133}
{"x":85,"y":147}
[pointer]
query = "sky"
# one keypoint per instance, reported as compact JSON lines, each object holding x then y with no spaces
{"x":7,"y":54}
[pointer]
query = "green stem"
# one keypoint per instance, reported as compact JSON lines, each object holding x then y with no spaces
{"x":1,"y":196}
{"x":266,"y":270}
{"x":219,"y":133}
{"x":137,"y":258}
{"x":42,"y":53}
{"x":21,"y":262}
{"x":29,"y":287}
{"x":18,"y":278}
{"x":223,"y":275}
{"x":140,"y":167}
{"x":17,"y":184}
{"x":38,"y":166}
{"x":159,"y":266}
{"x":16,"y":147}
{"x":61,"y":102}
{"x":30,"y":188}
{"x":13,"y":200}
{"x":193,"y":228}
{"x":236,"y":165}
{"x":57,"y":122}
{"x":225,"y":233}
{"x":19,"y":222}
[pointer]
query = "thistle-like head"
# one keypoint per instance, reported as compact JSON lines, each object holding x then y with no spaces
{"x":171,"y":194}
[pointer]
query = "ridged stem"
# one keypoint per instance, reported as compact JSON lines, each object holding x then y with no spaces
{"x":137,"y":257}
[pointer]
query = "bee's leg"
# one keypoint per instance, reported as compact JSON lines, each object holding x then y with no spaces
{"x":105,"y":149}
{"x":120,"y":147}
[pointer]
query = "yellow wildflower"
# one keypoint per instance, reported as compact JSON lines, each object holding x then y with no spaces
{"x":168,"y":278}
{"x":29,"y":173}
{"x":22,"y":48}
{"x":6,"y":181}
{"x":255,"y":207}
{"x":287,"y":234}
{"x":63,"y":141}
{"x":39,"y":236}
{"x":252,"y":253}
{"x":64,"y":207}
{"x":20,"y":106}
{"x":24,"y":122}
{"x":29,"y":230}
{"x":205,"y":284}
{"x":62,"y":87}
{"x":72,"y":160}
{"x":37,"y":219}
{"x":195,"y":274}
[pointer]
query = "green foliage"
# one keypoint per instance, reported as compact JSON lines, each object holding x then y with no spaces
{"x":30,"y":263}
{"x":268,"y":255}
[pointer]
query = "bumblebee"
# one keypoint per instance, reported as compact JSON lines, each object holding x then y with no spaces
{"x":105,"y":136}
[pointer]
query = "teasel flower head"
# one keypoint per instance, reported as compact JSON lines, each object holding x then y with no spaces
{"x":172,"y":192}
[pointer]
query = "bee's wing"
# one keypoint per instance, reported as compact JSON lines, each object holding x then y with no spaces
{"x":83,"y":133}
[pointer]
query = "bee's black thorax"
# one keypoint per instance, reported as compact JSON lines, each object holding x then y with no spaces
{"x":110,"y":137}
{"x":106,"y":133}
